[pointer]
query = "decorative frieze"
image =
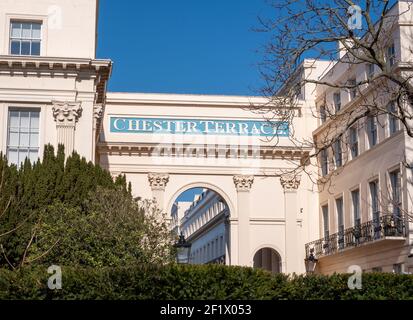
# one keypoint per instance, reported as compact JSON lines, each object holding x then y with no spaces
{"x":243,"y":183}
{"x":158,"y":181}
{"x":290,"y":182}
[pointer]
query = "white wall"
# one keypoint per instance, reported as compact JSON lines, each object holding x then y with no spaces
{"x":69,"y":27}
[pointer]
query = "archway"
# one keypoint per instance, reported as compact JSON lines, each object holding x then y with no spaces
{"x":201,"y":214}
{"x":268,"y":259}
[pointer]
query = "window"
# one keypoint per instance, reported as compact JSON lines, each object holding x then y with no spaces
{"x":324,"y":209}
{"x":353,"y":88}
{"x":25,"y":38}
{"x":324,"y":162}
{"x":355,"y":197}
{"x":391,"y":55}
{"x":337,"y":101}
{"x":377,"y":269}
{"x":323,"y":114}
{"x":395,"y":182}
{"x":370,"y":71}
{"x":338,"y":154}
{"x":375,"y":213}
{"x":354,"y":142}
{"x":340,"y":222}
{"x":372,"y":131}
{"x":23,"y":135}
{"x":398,"y":268}
{"x":393,"y":122}
{"x":298,"y":91}
{"x":374,"y":198}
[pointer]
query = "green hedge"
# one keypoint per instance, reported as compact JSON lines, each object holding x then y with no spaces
{"x":197,"y":282}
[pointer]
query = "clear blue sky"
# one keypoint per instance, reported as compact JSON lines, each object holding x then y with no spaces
{"x":182,"y":46}
{"x":189,"y":195}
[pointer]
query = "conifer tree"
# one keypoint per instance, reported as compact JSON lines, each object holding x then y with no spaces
{"x":26,"y":191}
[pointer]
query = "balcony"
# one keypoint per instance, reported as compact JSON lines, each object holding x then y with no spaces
{"x":387,"y":227}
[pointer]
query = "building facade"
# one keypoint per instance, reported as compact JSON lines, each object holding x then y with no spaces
{"x":204,"y":225}
{"x":53,"y":91}
{"x":365,"y":186}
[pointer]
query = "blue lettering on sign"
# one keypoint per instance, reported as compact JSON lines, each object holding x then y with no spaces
{"x":196,"y":126}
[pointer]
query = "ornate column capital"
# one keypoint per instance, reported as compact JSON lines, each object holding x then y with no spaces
{"x":158,"y":181}
{"x":66,"y":113}
{"x":243,"y":183}
{"x":290,"y":182}
{"x":98,"y":112}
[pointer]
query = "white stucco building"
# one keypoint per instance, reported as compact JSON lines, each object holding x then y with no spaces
{"x":53,"y":90}
{"x":365,"y":203}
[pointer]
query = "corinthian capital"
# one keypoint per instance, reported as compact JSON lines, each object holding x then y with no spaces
{"x":290,"y":182}
{"x":158,"y":181}
{"x":66,"y":113}
{"x":98,"y":112}
{"x":243,"y":183}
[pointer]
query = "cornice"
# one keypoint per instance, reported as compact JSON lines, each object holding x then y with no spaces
{"x":38,"y":61}
{"x":47,"y":66}
{"x":266,"y":152}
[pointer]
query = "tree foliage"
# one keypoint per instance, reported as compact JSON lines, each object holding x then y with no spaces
{"x":191,"y":282}
{"x":72,"y":212}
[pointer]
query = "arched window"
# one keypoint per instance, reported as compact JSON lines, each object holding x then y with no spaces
{"x":268,"y":259}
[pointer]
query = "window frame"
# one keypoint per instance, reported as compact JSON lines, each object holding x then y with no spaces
{"x":370,"y":70}
{"x":391,"y":108}
{"x":398,"y":268}
{"x":337,"y":101}
{"x":352,"y":91}
{"x":354,"y":143}
{"x":29,"y":132}
{"x":22,"y":39}
{"x":324,"y":162}
{"x":339,"y":202}
{"x":326,"y":220}
{"x":356,"y":218}
{"x":374,"y":201}
{"x":338,"y":153}
{"x":391,"y":54}
{"x":323,"y":113}
{"x":396,"y":209}
{"x":372,"y":124}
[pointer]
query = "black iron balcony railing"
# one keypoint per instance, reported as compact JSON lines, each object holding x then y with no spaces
{"x":385,"y":227}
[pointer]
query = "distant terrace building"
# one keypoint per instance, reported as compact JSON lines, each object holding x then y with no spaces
{"x":205,"y":225}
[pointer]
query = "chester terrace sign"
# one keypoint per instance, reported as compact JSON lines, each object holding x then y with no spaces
{"x":197,"y":126}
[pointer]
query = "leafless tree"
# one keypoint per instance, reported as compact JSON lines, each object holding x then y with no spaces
{"x":348,"y":37}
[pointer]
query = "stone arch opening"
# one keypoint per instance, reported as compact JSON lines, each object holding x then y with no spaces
{"x":268,"y":259}
{"x":202,"y":215}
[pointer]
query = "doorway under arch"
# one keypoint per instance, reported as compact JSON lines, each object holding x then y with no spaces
{"x":268,"y":259}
